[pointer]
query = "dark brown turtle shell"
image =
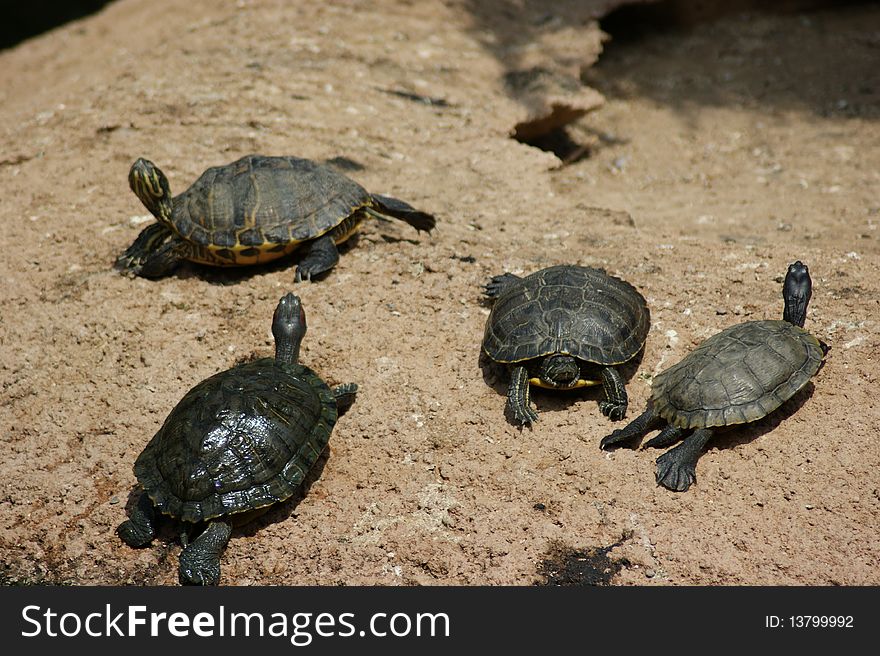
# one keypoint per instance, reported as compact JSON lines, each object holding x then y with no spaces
{"x":568,"y":309}
{"x":739,"y":375}
{"x":240,"y":440}
{"x":263,"y":203}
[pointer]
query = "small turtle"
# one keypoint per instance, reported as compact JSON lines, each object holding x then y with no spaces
{"x":737,"y":376}
{"x":235,"y":444}
{"x":251,"y":211}
{"x":564,"y":327}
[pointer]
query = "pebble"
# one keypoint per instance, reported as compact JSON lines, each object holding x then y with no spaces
{"x":138,"y":220}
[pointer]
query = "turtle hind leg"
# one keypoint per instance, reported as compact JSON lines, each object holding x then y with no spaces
{"x":155,"y":253}
{"x":200,"y":559}
{"x":499,"y":284}
{"x":421,"y":221}
{"x":667,"y":437}
{"x":633,"y":431}
{"x":140,"y":527}
{"x":614,"y":405}
{"x":518,"y":397}
{"x":345,"y":396}
{"x":321,"y":256}
{"x":677,"y":468}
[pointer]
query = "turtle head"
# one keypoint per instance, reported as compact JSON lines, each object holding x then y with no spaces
{"x":288,"y":328}
{"x":151,"y":186}
{"x":796,"y":291}
{"x":561,"y":371}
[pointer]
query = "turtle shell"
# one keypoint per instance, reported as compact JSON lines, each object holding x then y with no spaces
{"x":240,"y":440}
{"x":260,"y":203}
{"x":739,"y":375}
{"x":567,"y":309}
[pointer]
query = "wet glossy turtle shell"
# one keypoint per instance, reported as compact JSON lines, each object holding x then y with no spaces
{"x":568,"y":309}
{"x":261,"y":204}
{"x":240,"y":440}
{"x":739,"y":375}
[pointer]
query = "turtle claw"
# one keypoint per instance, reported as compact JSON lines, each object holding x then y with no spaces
{"x":133,"y":535}
{"x":198,"y":573}
{"x":612,"y":439}
{"x":200,"y":560}
{"x":614,"y":411}
{"x":673,"y":474}
{"x":127,"y":266}
{"x":305,"y":273}
{"x":140,"y":527}
{"x":677,"y":468}
{"x":524,"y":416}
{"x":496,"y":286}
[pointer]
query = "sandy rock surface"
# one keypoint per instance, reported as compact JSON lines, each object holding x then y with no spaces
{"x":716,"y":156}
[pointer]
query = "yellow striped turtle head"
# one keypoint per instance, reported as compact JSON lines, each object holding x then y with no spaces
{"x":560,"y":371}
{"x":151,"y":186}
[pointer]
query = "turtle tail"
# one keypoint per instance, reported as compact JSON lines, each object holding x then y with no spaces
{"x":385,"y":206}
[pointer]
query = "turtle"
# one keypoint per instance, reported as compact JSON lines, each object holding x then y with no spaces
{"x":737,"y":376}
{"x":254,"y":210}
{"x":564,"y":327}
{"x":236,"y":444}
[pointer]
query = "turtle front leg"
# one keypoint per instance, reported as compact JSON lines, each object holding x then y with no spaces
{"x":155,"y":253}
{"x":634,"y":430}
{"x":140,"y":527}
{"x":518,"y":397}
{"x":200,"y":559}
{"x":614,"y":406}
{"x":677,"y":468}
{"x":321,"y":256}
